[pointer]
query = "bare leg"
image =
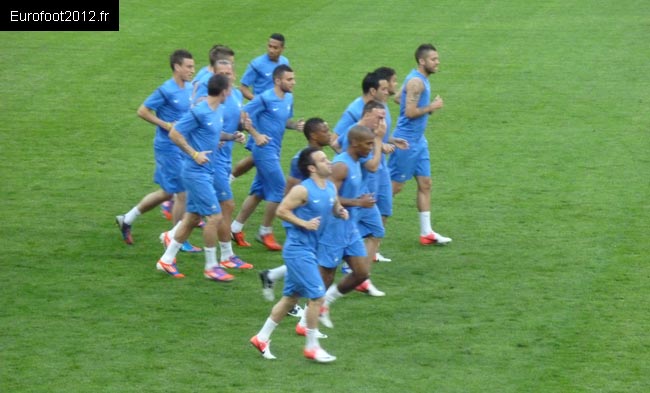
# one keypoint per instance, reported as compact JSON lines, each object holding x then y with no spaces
{"x":210,"y":230}
{"x":243,"y":166}
{"x":248,"y":207}
{"x":282,"y":307}
{"x":360,"y":271}
{"x":424,"y":193}
{"x":269,"y":213}
{"x":190,"y":220}
{"x":227,"y":207}
{"x":180,"y":199}
{"x":152,"y":200}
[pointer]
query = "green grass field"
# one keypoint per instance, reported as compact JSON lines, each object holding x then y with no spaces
{"x":541,"y":172}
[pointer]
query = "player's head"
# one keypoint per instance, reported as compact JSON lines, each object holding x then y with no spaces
{"x":375,"y":86}
{"x":314,"y":160}
{"x":182,"y":64}
{"x":373,"y":113}
{"x":390,"y":75}
{"x":317,"y":131}
{"x":371,"y":105}
{"x":361,"y":140}
{"x":221,"y":52}
{"x":427,"y":58}
{"x":283,"y":77}
{"x":224,"y":67}
{"x":275,"y":46}
{"x":218,"y":84}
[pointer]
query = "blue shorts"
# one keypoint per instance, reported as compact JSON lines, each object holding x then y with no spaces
{"x":414,"y":161}
{"x":201,"y":195}
{"x":384,"y":193}
{"x":269,"y":181}
{"x":303,"y":277}
{"x":222,"y":183}
{"x":370,"y":222}
{"x":169,"y":165}
{"x":330,"y":256}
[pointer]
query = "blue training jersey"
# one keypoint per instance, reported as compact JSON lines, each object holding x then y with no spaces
{"x":350,"y":117}
{"x":201,"y":88}
{"x":320,"y":203}
{"x":413,"y":129}
{"x":259,"y":73}
{"x":232,"y":108}
{"x":341,"y":231}
{"x":200,"y":74}
{"x":170,"y":102}
{"x":201,"y":126}
{"x":269,"y":114}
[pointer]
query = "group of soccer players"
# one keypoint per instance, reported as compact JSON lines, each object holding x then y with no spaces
{"x":334,"y":213}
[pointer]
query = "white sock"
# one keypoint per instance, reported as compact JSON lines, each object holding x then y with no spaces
{"x":278,"y":273}
{"x":312,"y":339}
{"x":210,"y":257}
{"x":425,"y":223}
{"x":170,"y":252}
{"x":131,"y":215}
{"x":236,"y":226}
{"x":332,"y":294}
{"x":172,"y":232}
{"x":265,"y":333}
{"x":265,"y":230}
{"x":226,"y":250}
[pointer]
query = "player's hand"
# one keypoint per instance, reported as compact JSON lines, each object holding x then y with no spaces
{"x":400,"y":143}
{"x":343,"y":213}
{"x":239,"y":137}
{"x":387,"y":148}
{"x":202,"y":157}
{"x":312,"y":224}
{"x":436,"y":104}
{"x":300,"y":125}
{"x":262,"y":140}
{"x":367,"y":200}
{"x":380,"y":131}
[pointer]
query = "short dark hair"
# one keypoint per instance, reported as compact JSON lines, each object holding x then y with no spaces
{"x":312,"y":125}
{"x":422,"y":50}
{"x":372,"y":105}
{"x":385,"y":72}
{"x":305,"y":159}
{"x":218,"y":84}
{"x":178,"y":56}
{"x":370,"y":81}
{"x":280,"y":70}
{"x":219,"y":52}
{"x":277,"y":37}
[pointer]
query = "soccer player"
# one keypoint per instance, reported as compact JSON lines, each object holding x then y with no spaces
{"x":344,"y":240}
{"x":318,"y":136}
{"x":271,"y":114}
{"x":384,"y":192}
{"x":234,"y":120}
{"x":257,"y":78}
{"x":162,"y":108}
{"x":198,"y":133}
{"x":373,"y":88}
{"x":217,"y":52}
{"x":371,"y":226}
{"x":308,"y":208}
{"x":415,"y":107}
